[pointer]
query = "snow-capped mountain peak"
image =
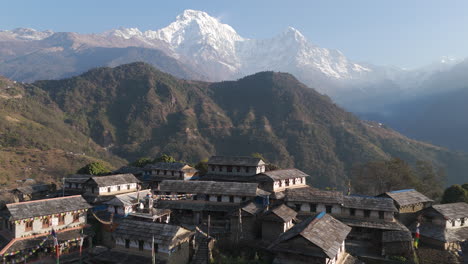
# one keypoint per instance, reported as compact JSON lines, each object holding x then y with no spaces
{"x":26,"y":34}
{"x":126,"y":33}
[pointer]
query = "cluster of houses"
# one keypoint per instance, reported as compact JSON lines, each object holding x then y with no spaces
{"x":167,"y":211}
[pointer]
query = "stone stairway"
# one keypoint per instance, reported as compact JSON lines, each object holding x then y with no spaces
{"x":202,"y":253}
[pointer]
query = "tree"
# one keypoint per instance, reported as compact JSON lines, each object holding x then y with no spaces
{"x":454,"y":194}
{"x":202,"y":167}
{"x":431,"y":180}
{"x":165,"y":158}
{"x":94,"y":168}
{"x":141,"y":162}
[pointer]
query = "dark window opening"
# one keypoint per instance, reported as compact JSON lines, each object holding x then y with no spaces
{"x":367,"y":213}
{"x":61,"y":220}
{"x":29,"y":226}
{"x":207,"y":197}
{"x":108,"y":189}
{"x":381,"y":215}
{"x":219,"y":197}
{"x":220,"y":168}
{"x":244,"y":198}
{"x":229,"y":168}
{"x":141,"y":245}
{"x":172,"y":173}
{"x":313,"y":208}
{"x":76,"y":217}
{"x":328,"y":209}
{"x":352,"y":212}
{"x":127,"y":243}
{"x":238,"y":168}
{"x":298,"y":207}
{"x":155,"y":248}
{"x":165,"y":172}
{"x":118,"y":188}
{"x":128,"y":186}
{"x":45,"y":222}
{"x":462,"y":221}
{"x":212,"y":168}
{"x":231,"y":199}
{"x":246,"y":169}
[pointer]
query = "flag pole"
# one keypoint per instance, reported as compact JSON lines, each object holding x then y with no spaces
{"x":153,"y":254}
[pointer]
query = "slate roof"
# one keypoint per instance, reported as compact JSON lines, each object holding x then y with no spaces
{"x":396,"y":236}
{"x":383,"y":225}
{"x":197,"y":205}
{"x":408,"y":197}
{"x":369,"y":203}
{"x":36,"y":208}
{"x":252,"y":208}
{"x":441,"y":233}
{"x":30,"y":189}
{"x":129,"y":169}
{"x":324,"y":231}
{"x":211,"y":187}
{"x":282,"y":214}
{"x":164,"y":234}
{"x":452,"y":210}
{"x":103,"y":181}
{"x":311,"y":195}
{"x":170,"y":166}
{"x":277,"y":175}
{"x":128,"y":198}
{"x":78,"y":178}
{"x":235,"y":161}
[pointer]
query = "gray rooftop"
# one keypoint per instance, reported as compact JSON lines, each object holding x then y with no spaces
{"x":396,"y":236}
{"x":369,"y":203}
{"x":211,"y":187}
{"x":128,"y":169}
{"x":128,"y":198}
{"x":441,"y":233}
{"x":235,"y":161}
{"x":408,"y":197}
{"x":324,"y":231}
{"x":277,"y":175}
{"x":452,"y":210}
{"x":197,"y":205}
{"x":36,"y":208}
{"x":311,"y":195}
{"x":281,"y":213}
{"x":164,"y":234}
{"x":170,"y":166}
{"x":377,"y":224}
{"x":104,"y":181}
{"x":78,"y":178}
{"x":30,"y":189}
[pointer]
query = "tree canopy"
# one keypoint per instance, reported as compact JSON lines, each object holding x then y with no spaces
{"x":94,"y":168}
{"x":455,"y":194}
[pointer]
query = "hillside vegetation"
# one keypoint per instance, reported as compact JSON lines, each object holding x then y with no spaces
{"x":135,"y":110}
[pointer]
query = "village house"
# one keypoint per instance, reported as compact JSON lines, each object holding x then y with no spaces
{"x":317,"y":239}
{"x":245,"y":222}
{"x":276,"y":221}
{"x":280,"y":180}
{"x":194,"y":201}
{"x":235,"y":166}
{"x":170,"y":243}
{"x":24,"y":225}
{"x":397,"y":243}
{"x":408,"y":203}
{"x":73,"y":184}
{"x":34,"y":192}
{"x":444,"y":225}
{"x":308,"y":200}
{"x":110,"y":185}
{"x":153,"y":174}
{"x":124,"y":204}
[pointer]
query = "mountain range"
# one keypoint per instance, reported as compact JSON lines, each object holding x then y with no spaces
{"x":134,"y":110}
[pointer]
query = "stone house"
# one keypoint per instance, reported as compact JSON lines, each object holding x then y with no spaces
{"x":245,"y":222}
{"x":34,"y":192}
{"x":110,"y":185}
{"x":397,"y":243}
{"x":24,"y":224}
{"x":171,"y":243}
{"x":308,"y":200}
{"x":238,"y":166}
{"x":73,"y":184}
{"x":170,"y":171}
{"x":124,"y":204}
{"x":444,"y":225}
{"x":317,"y":239}
{"x":408,"y":203}
{"x":276,"y":221}
{"x":280,"y":180}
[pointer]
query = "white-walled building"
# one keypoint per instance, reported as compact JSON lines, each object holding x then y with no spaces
{"x":110,"y":185}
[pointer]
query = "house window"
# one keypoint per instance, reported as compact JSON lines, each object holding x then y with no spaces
{"x":61,"y":220}
{"x":108,"y":189}
{"x":76,"y":185}
{"x":453,"y":223}
{"x":238,"y":168}
{"x":92,"y":189}
{"x":313,"y":208}
{"x":298,"y":207}
{"x":127,"y":243}
{"x":287,"y":182}
{"x":302,"y":180}
{"x":231,"y":199}
{"x":219,"y":197}
{"x":172,"y":173}
{"x":128,"y":186}
{"x":207,"y":197}
{"x":180,"y":174}
{"x":247,"y":169}
{"x":367,"y":213}
{"x":155,"y":247}
{"x":280,"y":183}
{"x":212,"y":168}
{"x":229,"y":168}
{"x":141,"y":245}
{"x":76,"y":217}
{"x":157,"y":172}
{"x":29,"y":226}
{"x":165,"y":172}
{"x":244,"y":198}
{"x":328,"y":209}
{"x":381,"y":215}
{"x":70,"y":185}
{"x":118,"y":188}
{"x":352,"y":212}
{"x":220,"y":168}
{"x":45,"y":223}
{"x":462,"y":221}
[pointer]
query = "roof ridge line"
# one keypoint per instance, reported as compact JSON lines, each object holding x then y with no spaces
{"x":41,"y":200}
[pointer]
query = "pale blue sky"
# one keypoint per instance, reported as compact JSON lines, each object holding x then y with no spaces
{"x":406,"y":33}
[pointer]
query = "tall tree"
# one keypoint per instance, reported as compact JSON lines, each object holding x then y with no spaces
{"x":94,"y":168}
{"x":454,"y":194}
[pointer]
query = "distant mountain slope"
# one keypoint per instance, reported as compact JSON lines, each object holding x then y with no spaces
{"x":136,"y":110}
{"x":35,"y":140}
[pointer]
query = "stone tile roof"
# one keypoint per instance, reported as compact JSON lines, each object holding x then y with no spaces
{"x":197,"y":205}
{"x":384,"y":225}
{"x":323,"y":231}
{"x":281,"y":213}
{"x":452,"y":210}
{"x":211,"y":187}
{"x":118,"y":179}
{"x":369,"y":203}
{"x":129,"y":169}
{"x":408,"y":197}
{"x":441,"y":233}
{"x":311,"y":195}
{"x":252,"y":208}
{"x":36,"y":208}
{"x":277,"y":175}
{"x":128,"y":198}
{"x":164,"y":234}
{"x":396,"y":236}
{"x":235,"y":161}
{"x":170,"y":166}
{"x":78,"y":178}
{"x":30,"y":189}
